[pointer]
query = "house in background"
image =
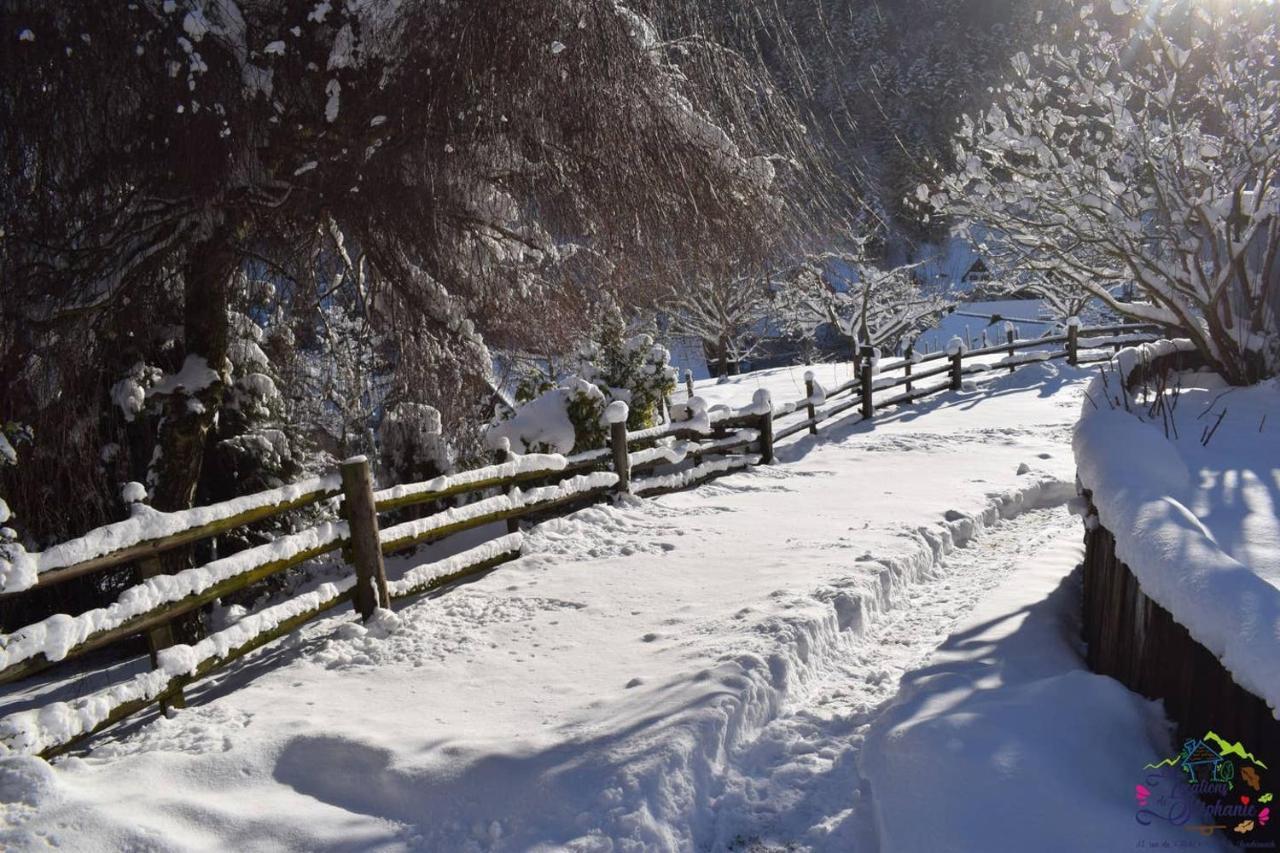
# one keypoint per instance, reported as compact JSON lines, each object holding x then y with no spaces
{"x":977,"y":275}
{"x":688,"y":353}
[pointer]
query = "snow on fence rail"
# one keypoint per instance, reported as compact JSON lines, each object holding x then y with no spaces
{"x":701,"y":445}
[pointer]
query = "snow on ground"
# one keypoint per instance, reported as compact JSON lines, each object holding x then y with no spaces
{"x":1005,"y":741}
{"x":635,"y":682}
{"x":972,"y":322}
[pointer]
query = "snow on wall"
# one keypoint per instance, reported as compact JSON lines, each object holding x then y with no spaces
{"x":676,"y":453}
{"x":527,"y":464}
{"x":692,"y":475}
{"x":39,"y":729}
{"x":517,"y":499}
{"x":1142,"y":488}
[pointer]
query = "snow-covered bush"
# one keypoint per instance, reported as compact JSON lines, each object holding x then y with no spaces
{"x":566,"y":418}
{"x":633,"y":369}
{"x":412,"y":445}
{"x":1147,"y":157}
{"x":567,"y":414}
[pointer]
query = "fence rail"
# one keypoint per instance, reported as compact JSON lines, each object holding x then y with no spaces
{"x":704,"y":444}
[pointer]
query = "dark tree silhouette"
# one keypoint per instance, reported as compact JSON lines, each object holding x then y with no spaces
{"x":458,"y":166}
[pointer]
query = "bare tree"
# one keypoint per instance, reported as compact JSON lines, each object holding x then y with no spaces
{"x":870,"y":305}
{"x":730,"y":314}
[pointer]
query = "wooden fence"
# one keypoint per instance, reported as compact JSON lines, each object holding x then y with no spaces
{"x":673,"y":456}
{"x":1142,"y":645}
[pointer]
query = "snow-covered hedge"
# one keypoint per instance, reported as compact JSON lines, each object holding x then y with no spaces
{"x":1144,"y":492}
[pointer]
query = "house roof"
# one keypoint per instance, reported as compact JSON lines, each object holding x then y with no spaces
{"x":1201,"y":754}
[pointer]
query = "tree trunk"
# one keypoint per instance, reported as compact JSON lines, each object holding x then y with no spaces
{"x":188,"y":417}
{"x":722,"y":355}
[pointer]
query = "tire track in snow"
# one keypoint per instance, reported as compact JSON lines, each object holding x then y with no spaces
{"x":795,"y":787}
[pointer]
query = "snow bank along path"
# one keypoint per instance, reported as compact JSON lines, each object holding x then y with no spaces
{"x":592,"y":693}
{"x":1197,"y":525}
{"x":993,"y":744}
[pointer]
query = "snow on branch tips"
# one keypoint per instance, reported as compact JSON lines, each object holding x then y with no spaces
{"x":844,"y":294}
{"x":1147,"y":159}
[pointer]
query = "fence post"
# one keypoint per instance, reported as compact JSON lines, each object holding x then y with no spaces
{"x":1073,"y":343}
{"x":911,"y":353}
{"x":766,"y":438}
{"x":688,"y":382}
{"x":868,"y":410}
{"x":621,"y":459}
{"x":957,"y":369}
{"x":501,"y":455}
{"x":808,"y":398}
{"x":1009,"y":336}
{"x":366,"y":548}
{"x":161,"y":637}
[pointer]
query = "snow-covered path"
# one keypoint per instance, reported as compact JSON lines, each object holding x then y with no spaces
{"x":798,"y":785}
{"x":629,"y":684}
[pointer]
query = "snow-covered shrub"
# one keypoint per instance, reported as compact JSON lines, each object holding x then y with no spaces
{"x":566,"y":414}
{"x":632,"y":369}
{"x":412,"y":446}
{"x":564,"y":419}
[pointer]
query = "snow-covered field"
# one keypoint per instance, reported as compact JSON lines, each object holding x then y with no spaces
{"x":699,"y":671}
{"x":971,"y":322}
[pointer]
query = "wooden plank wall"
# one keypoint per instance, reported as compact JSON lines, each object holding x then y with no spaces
{"x":1140,"y":644}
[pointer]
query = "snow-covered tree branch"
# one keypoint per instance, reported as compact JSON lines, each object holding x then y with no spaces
{"x":872,"y":306}
{"x":729,"y":314}
{"x":427,"y":167}
{"x":1150,"y":157}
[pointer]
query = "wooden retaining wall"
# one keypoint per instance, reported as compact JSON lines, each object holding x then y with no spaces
{"x":1140,"y":644}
